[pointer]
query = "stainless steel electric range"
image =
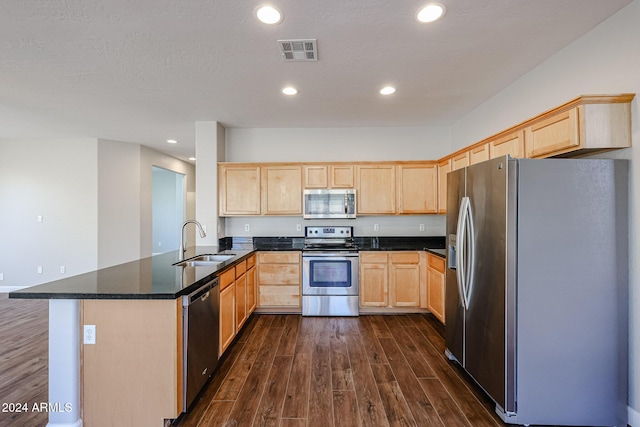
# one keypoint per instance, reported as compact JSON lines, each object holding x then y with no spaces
{"x":329,"y":272}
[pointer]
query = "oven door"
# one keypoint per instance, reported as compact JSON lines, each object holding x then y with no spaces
{"x":330,"y":273}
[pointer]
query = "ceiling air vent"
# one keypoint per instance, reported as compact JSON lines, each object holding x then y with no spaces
{"x":299,"y":49}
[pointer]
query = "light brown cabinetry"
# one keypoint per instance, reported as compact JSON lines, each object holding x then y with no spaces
{"x":227,"y":308}
{"x":444,"y":167}
{"x":405,"y":279}
{"x":511,"y":144}
{"x":279,"y":279}
{"x":376,"y":189}
{"x":328,"y":176}
{"x":436,"y":285}
{"x":392,"y":279}
{"x":137,"y":359}
{"x":282,"y":190}
{"x":417,"y":188}
{"x":239,"y":190}
{"x":479,"y":154}
{"x":241,"y":294}
{"x":460,"y":161}
{"x":252,"y":287}
{"x":374,"y":279}
{"x":556,"y":133}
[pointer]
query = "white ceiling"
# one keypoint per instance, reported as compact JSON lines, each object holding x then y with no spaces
{"x":145,"y":71}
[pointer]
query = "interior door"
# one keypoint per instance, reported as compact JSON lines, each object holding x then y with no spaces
{"x":485,"y":315}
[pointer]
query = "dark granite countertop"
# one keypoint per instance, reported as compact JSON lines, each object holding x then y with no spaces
{"x":149,"y":278}
{"x":157,"y":278}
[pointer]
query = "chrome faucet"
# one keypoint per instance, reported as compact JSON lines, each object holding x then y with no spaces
{"x":183,"y":250}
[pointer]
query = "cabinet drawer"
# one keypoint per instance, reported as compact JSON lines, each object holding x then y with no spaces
{"x":279,"y":258}
{"x":241,"y":268}
{"x":251,"y":261}
{"x":279,"y":274}
{"x":227,"y":278}
{"x":279,"y":296}
{"x":436,"y":263}
{"x":405,"y":258}
{"x":373,"y":257}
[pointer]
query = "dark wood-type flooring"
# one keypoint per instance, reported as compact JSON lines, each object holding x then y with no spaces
{"x":290,"y":371}
{"x":24,"y":354}
{"x":286,"y":370}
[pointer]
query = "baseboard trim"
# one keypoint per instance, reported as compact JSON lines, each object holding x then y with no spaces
{"x":633,"y":417}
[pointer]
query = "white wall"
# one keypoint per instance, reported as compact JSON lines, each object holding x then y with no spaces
{"x":337,"y":144}
{"x":95,"y":200}
{"x":604,"y":61}
{"x":57,"y":179}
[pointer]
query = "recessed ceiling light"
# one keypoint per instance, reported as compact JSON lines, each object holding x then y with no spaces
{"x":172,"y":141}
{"x":268,"y":14}
{"x":289,"y":90}
{"x":430,"y":13}
{"x":192,"y":159}
{"x":387,"y":90}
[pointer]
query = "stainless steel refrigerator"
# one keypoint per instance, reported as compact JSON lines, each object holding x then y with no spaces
{"x":537,"y":285}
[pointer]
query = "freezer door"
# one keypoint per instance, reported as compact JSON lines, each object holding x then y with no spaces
{"x":454,"y":311}
{"x":486,"y":345}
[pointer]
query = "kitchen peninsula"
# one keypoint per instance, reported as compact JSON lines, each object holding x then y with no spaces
{"x":134,"y":371}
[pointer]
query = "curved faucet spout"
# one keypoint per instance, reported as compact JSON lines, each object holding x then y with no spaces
{"x":183,"y":249}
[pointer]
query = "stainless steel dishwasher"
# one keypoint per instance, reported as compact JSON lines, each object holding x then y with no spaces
{"x":200,"y":328}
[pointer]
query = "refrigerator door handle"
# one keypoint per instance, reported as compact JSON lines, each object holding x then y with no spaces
{"x":461,"y":254}
{"x":470,"y":253}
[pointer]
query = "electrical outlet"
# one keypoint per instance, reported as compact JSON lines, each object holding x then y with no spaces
{"x":89,"y":334}
{"x":63,"y":269}
{"x":421,"y":227}
{"x":1,"y":276}
{"x":247,"y":227}
{"x":39,"y":269}
{"x":298,"y":227}
{"x":39,"y":218}
{"x":376,"y":227}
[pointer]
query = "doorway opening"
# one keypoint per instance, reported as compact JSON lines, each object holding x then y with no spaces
{"x":168,"y":209}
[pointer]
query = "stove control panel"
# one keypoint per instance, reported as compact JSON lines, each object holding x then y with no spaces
{"x":329,"y":232}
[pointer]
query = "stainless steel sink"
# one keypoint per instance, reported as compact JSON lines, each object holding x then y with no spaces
{"x":204,"y":260}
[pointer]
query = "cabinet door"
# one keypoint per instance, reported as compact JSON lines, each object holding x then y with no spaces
{"x":315,"y":176}
{"x":417,"y":189}
{"x":241,"y":301}
{"x":460,"y":161}
{"x":376,"y":186}
{"x":444,"y":168}
{"x":479,"y":154}
{"x":239,"y":190}
{"x":341,"y":176}
{"x":227,"y":316}
{"x":374,"y":280}
{"x":282,"y":190}
{"x":405,"y":279}
{"x":251,"y":290}
{"x":435,"y":286}
{"x":512,"y":144}
{"x":554,"y":135}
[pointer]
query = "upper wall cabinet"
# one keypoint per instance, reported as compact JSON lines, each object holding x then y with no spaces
{"x":460,"y":161}
{"x":511,"y":144}
{"x":282,"y":190}
{"x":417,"y":188}
{"x":239,"y":190}
{"x":479,"y":154}
{"x":595,"y":123}
{"x":376,"y":189}
{"x":328,"y":176}
{"x":444,"y":167}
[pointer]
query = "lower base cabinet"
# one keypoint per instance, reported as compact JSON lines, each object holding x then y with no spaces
{"x":392,"y":279}
{"x":227,"y":308}
{"x":436,"y":286}
{"x":279,"y":279}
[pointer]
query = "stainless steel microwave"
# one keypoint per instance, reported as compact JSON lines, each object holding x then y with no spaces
{"x":334,"y":203}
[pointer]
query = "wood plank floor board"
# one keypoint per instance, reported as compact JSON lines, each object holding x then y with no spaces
{"x":421,"y":408}
{"x":371,"y":344}
{"x":246,"y":405}
{"x":320,"y":395}
{"x":289,"y":336}
{"x":447,"y":409}
{"x":341,"y":374}
{"x":345,"y":409}
{"x":270,"y":408}
{"x":416,"y":361}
